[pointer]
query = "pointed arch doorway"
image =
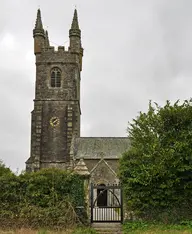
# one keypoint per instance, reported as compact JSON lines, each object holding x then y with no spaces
{"x":106,"y":203}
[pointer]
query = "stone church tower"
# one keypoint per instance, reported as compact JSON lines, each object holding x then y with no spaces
{"x":56,"y":115}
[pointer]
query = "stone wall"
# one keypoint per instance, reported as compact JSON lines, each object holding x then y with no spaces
{"x":102,"y":172}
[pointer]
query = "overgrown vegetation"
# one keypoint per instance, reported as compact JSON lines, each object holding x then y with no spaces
{"x":157,"y":170}
{"x":50,"y":198}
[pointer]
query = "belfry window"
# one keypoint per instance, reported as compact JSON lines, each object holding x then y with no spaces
{"x":55,"y":77}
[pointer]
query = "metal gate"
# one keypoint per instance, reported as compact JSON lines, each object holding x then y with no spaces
{"x":106,"y":203}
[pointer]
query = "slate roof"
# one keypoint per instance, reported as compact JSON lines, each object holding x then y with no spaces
{"x":98,"y":147}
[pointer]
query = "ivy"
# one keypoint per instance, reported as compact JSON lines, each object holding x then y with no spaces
{"x":47,"y":198}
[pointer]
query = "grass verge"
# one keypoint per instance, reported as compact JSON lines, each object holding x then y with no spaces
{"x":154,"y":228}
{"x":42,"y":231}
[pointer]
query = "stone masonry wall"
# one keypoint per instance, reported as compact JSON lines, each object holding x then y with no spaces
{"x":50,"y":145}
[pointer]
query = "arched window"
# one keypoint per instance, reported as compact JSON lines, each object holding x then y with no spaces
{"x":55,"y":77}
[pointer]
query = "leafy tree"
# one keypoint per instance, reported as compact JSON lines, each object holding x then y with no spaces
{"x":157,"y":170}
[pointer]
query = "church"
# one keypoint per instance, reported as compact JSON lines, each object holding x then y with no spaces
{"x":55,"y":120}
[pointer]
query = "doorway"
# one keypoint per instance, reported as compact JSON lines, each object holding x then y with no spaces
{"x":102,"y":196}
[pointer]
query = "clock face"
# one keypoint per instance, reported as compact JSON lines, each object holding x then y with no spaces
{"x":54,"y":121}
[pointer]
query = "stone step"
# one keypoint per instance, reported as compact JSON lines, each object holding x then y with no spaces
{"x":110,"y":228}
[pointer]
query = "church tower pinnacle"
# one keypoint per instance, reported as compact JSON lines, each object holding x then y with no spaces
{"x":38,"y":24}
{"x":75,"y":34}
{"x":75,"y":24}
{"x":75,"y":38}
{"x":47,"y":44}
{"x":38,"y":34}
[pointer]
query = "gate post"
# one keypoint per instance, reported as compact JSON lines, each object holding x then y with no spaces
{"x":121,"y":203}
{"x":91,"y":203}
{"x":82,"y":170}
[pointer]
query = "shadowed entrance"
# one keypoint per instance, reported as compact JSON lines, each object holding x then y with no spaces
{"x":102,"y":196}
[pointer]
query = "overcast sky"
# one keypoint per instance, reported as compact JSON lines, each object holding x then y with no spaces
{"x":134,"y":51}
